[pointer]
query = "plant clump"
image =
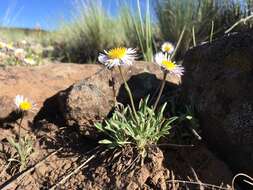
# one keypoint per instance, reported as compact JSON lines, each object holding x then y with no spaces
{"x":23,"y":146}
{"x":142,"y":127}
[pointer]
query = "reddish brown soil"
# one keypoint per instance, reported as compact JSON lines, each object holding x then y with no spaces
{"x":42,"y":82}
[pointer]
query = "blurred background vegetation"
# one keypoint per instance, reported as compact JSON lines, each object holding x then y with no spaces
{"x":94,"y":29}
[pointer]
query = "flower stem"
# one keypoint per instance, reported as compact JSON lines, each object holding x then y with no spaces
{"x":129,"y":93}
{"x":159,"y":87}
{"x":161,"y":90}
{"x":19,"y":128}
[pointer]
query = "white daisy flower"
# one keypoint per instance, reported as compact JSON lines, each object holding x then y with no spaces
{"x":117,"y":57}
{"x":168,"y":47}
{"x":9,"y":46}
{"x":23,"y":42}
{"x":23,"y":104}
{"x":2,"y":45}
{"x":29,"y":61}
{"x":19,"y":53}
{"x":168,"y":65}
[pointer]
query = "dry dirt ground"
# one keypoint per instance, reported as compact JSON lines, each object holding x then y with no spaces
{"x":69,"y":148}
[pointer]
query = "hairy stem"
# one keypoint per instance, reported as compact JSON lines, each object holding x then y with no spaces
{"x":19,"y":128}
{"x":158,"y":88}
{"x":161,"y":90}
{"x":165,"y":73}
{"x":129,"y":93}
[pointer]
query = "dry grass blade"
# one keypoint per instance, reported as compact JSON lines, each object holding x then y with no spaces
{"x":243,"y":20}
{"x":201,"y":187}
{"x":197,"y":183}
{"x":62,"y":181}
{"x":242,"y":175}
{"x":195,"y":133}
{"x":176,"y":145}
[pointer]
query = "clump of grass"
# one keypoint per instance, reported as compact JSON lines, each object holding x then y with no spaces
{"x":196,"y":16}
{"x":203,"y":19}
{"x":92,"y":29}
{"x":138,"y":29}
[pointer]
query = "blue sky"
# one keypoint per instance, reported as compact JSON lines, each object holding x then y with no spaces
{"x":43,"y":13}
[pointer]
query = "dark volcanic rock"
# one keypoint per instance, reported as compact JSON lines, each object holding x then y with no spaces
{"x":91,"y":100}
{"x":219,"y":81}
{"x":83,"y":104}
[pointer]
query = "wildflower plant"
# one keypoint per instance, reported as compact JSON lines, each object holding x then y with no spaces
{"x":141,"y":131}
{"x":118,"y":57}
{"x":144,"y":126}
{"x":24,"y":145}
{"x":23,"y":148}
{"x":165,"y":60}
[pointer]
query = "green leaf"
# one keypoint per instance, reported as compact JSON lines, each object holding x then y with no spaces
{"x":105,"y":141}
{"x":189,"y":117}
{"x":98,"y":126}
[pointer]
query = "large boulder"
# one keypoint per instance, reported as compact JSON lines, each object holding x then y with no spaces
{"x":92,"y":99}
{"x":219,"y":81}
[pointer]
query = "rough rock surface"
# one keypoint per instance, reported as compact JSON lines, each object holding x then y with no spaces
{"x":6,"y":105}
{"x":219,"y":81}
{"x":92,"y":99}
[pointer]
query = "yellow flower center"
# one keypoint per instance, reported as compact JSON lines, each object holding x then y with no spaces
{"x":9,"y":45}
{"x":168,"y":65}
{"x":167,"y":48}
{"x":25,"y":106}
{"x":117,"y":53}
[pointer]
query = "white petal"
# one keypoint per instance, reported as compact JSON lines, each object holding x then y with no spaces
{"x":115,"y":62}
{"x":159,"y":57}
{"x":178,"y":71}
{"x":131,"y":51}
{"x":18,"y":100}
{"x":102,"y":58}
{"x":127,"y":61}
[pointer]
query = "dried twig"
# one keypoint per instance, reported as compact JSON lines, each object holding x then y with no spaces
{"x":173,"y":180}
{"x":246,"y":181}
{"x":62,"y":181}
{"x":201,"y":187}
{"x":195,"y":133}
{"x":176,"y":145}
{"x":242,"y":20}
{"x":197,"y":183}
